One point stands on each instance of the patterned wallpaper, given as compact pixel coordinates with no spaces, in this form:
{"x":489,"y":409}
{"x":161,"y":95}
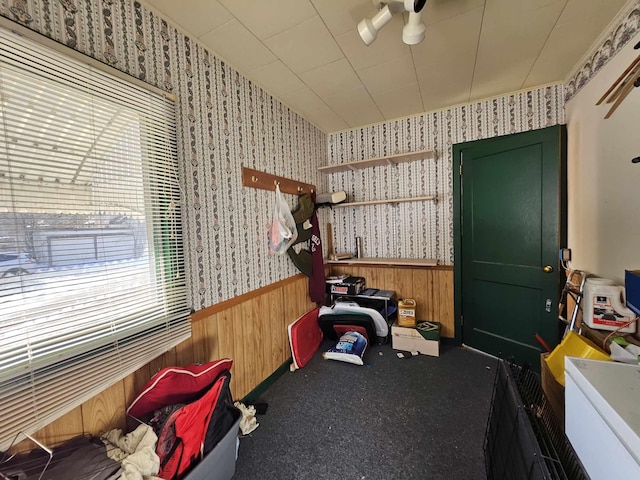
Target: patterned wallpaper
{"x":624,"y":30}
{"x":224,"y":122}
{"x":422,"y":229}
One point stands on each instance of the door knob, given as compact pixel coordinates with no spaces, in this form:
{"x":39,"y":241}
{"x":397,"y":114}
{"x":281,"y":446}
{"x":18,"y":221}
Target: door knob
{"x":547,"y":269}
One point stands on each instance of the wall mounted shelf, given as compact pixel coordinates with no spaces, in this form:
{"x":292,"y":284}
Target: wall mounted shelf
{"x":374,"y":162}
{"x":406,"y":262}
{"x":391,"y":200}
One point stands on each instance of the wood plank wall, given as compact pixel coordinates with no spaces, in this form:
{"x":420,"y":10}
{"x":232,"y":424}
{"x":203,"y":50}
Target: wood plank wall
{"x":430,"y":287}
{"x":250,"y":329}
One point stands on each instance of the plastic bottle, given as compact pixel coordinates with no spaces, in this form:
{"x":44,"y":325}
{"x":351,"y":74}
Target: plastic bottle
{"x":605,"y":306}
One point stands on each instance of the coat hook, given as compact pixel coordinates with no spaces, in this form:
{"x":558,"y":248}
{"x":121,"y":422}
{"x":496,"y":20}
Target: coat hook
{"x":275,"y":182}
{"x":300,"y":189}
{"x":254,"y":179}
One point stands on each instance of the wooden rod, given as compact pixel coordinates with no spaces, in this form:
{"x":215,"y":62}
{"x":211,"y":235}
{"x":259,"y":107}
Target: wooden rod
{"x":620,"y":81}
{"x":628,"y":86}
{"x":329,"y":240}
{"x":266,"y":181}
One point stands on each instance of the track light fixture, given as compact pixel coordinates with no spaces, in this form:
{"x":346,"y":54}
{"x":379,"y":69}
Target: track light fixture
{"x":413,"y":31}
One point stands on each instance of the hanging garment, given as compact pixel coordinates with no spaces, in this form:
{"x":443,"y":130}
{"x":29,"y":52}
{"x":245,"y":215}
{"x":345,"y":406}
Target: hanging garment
{"x":309,"y":261}
{"x":316,"y":279}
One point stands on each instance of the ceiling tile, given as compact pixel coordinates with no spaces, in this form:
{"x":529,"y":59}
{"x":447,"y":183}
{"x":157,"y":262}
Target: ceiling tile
{"x":341,"y":16}
{"x":445,"y":59}
{"x":201,"y":17}
{"x":276,"y":79}
{"x":438,"y":11}
{"x":571,"y":38}
{"x":558,"y":56}
{"x":436,"y":96}
{"x":398,"y":102}
{"x":306,"y":100}
{"x":356,"y":107}
{"x":451,"y":42}
{"x":327,"y":120}
{"x":305,"y":46}
{"x":331,"y":79}
{"x":388,"y":45}
{"x":339,"y":82}
{"x":597,"y":11}
{"x":266,"y":18}
{"x":398,"y":73}
{"x":512,"y":36}
{"x":236,"y":45}
{"x":311,"y":107}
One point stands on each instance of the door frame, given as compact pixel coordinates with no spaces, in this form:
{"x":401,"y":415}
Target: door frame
{"x":456,"y":150}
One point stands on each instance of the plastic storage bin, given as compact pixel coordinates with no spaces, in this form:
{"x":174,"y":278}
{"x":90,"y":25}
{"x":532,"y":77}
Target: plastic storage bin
{"x":220,"y":463}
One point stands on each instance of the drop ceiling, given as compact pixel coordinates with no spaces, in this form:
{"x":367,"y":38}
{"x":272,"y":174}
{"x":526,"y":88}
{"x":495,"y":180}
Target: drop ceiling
{"x":308,"y":54}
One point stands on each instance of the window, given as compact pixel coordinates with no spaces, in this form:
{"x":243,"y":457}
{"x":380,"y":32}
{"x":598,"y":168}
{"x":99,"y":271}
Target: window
{"x":91,"y":265}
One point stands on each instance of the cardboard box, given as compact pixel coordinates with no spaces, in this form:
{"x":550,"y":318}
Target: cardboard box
{"x":220,"y":463}
{"x":425,"y":338}
{"x":552,"y":389}
{"x":348,"y":286}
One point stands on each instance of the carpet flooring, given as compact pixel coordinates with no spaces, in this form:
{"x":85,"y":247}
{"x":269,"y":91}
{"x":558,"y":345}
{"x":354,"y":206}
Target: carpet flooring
{"x":414,"y":418}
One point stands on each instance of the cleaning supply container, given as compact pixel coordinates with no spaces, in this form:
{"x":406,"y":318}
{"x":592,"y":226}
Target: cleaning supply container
{"x":407,"y":312}
{"x":573,"y":345}
{"x":605,"y":306}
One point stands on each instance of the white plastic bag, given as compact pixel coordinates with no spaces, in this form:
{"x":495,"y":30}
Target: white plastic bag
{"x":282,"y":231}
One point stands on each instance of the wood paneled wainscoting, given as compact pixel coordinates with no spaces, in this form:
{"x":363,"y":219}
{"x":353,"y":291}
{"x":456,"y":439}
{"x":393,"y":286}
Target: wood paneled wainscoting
{"x":250,"y":329}
{"x":430,"y":287}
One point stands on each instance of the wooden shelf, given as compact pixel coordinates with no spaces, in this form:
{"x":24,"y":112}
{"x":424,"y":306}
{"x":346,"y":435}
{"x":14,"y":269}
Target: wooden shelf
{"x":374,"y":162}
{"x":408,"y":262}
{"x":391,"y":200}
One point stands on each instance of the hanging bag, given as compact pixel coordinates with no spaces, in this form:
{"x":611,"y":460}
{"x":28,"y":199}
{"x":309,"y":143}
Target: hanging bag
{"x":282,"y":231}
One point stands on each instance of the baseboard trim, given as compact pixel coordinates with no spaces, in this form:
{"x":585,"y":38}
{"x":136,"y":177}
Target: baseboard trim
{"x":479,"y":351}
{"x":262,"y":387}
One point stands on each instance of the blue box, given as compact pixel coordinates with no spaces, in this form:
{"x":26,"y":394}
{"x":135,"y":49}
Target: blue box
{"x":632,"y":288}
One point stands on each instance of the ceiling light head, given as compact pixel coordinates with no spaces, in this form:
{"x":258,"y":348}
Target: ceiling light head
{"x":366,"y":31}
{"x":414,"y":5}
{"x":368,"y":28}
{"x":413,"y":31}
{"x":418,"y":5}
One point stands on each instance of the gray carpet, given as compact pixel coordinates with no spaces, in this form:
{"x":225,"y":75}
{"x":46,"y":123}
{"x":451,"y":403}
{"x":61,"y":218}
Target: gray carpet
{"x":417,"y":418}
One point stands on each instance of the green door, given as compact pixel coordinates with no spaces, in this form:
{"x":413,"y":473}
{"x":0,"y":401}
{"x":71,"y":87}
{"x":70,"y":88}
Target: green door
{"x":509,"y":227}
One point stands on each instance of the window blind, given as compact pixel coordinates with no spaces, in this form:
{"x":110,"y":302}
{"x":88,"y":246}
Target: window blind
{"x":91,"y":263}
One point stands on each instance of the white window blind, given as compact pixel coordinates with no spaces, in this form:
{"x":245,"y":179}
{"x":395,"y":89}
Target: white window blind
{"x":91,"y":264}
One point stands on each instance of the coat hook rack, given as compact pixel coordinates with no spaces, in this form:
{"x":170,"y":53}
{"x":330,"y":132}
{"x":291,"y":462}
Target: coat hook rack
{"x":623,"y":85}
{"x":266,"y":181}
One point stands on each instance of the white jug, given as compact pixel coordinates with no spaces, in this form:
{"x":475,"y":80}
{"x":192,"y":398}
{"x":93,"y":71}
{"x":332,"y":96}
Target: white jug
{"x":605,"y":306}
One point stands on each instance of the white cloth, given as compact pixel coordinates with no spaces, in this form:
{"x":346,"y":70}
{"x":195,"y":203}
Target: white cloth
{"x":135,"y":451}
{"x":248,"y":423}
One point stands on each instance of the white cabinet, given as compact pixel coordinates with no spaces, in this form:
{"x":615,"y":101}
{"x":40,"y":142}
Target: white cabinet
{"x":602,"y":417}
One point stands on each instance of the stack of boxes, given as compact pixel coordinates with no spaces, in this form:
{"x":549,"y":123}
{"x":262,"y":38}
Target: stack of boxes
{"x":411,"y":335}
